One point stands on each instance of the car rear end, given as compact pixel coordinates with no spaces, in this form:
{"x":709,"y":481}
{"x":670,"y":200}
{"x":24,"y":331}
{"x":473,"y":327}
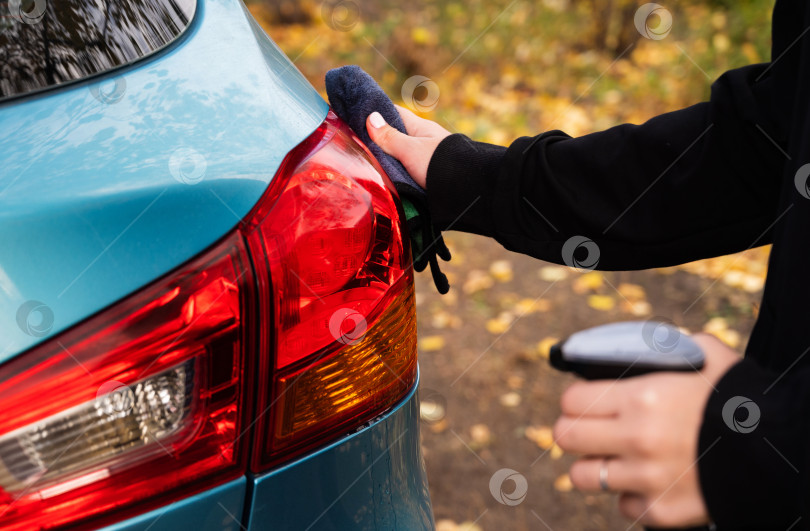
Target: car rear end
{"x":207,"y":301}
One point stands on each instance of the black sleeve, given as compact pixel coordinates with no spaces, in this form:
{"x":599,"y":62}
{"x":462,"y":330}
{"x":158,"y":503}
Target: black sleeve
{"x":690,"y":184}
{"x":752,"y":451}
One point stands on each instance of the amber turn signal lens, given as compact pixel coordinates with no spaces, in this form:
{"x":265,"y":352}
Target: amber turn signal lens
{"x":380,"y":367}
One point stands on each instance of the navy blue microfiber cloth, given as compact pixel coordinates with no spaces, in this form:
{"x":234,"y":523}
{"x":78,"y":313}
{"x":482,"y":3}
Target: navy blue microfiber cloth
{"x":353,"y":95}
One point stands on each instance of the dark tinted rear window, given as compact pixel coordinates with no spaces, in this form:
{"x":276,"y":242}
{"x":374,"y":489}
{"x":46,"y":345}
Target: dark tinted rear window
{"x":49,"y":42}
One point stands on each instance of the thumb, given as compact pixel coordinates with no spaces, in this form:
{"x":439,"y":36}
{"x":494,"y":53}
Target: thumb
{"x":392,"y":141}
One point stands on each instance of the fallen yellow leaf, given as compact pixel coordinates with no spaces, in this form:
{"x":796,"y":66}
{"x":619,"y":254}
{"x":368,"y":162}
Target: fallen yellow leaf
{"x":729,"y":337}
{"x":718,"y":326}
{"x":556,"y":452}
{"x":480,"y":434}
{"x":527,"y":306}
{"x":603,"y":303}
{"x":431,"y":343}
{"x":439,"y":427}
{"x":563,"y":483}
{"x":511,"y":399}
{"x":715,"y":324}
{"x":553,"y":273}
{"x":445,"y":524}
{"x":632,"y":292}
{"x":753,"y":283}
{"x":500,"y":324}
{"x":544,"y":346}
{"x":496,"y":326}
{"x":442,"y":319}
{"x":590,"y":281}
{"x":745,"y":281}
{"x":542,"y":436}
{"x":718,"y":20}
{"x":637,"y":308}
{"x":420,"y":35}
{"x":477,"y":280}
{"x":750,"y":52}
{"x":501,"y":270}
{"x":721,"y":42}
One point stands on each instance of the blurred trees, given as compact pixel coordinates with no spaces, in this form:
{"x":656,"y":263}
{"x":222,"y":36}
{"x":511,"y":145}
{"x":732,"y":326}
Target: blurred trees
{"x":507,"y":69}
{"x":612,"y":29}
{"x":287,"y":11}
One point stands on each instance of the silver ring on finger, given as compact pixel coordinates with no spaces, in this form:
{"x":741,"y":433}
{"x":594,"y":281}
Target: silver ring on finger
{"x":603,"y":476}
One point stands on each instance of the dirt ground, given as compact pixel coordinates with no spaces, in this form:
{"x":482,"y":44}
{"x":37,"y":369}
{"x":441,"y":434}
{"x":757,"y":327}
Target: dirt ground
{"x":489,"y":396}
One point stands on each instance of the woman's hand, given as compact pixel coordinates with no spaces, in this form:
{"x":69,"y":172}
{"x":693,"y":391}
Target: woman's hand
{"x":646,"y":428}
{"x":413,"y":150}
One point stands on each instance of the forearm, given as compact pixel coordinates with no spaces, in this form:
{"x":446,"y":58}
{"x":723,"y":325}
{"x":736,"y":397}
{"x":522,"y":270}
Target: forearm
{"x":693,"y":183}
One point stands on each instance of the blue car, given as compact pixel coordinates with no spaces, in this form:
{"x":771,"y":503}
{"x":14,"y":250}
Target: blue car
{"x":207,"y":312}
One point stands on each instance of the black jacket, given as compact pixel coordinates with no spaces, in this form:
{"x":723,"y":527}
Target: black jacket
{"x":716,"y":178}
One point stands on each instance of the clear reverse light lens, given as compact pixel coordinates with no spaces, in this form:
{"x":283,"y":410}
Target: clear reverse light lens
{"x":122,"y":418}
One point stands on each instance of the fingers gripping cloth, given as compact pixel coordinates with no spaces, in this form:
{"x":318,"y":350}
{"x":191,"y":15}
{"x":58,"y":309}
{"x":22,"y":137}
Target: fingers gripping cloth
{"x":353,"y":95}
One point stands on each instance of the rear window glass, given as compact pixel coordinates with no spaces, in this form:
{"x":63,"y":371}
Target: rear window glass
{"x":44,"y":43}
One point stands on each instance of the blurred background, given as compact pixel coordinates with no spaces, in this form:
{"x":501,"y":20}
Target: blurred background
{"x":496,"y":70}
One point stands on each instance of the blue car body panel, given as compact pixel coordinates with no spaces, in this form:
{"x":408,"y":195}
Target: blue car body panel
{"x":217,"y":509}
{"x":373,"y":479}
{"x":99,"y":199}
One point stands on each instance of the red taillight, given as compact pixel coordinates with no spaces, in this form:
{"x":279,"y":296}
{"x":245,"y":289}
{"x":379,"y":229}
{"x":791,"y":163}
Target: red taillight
{"x":307,"y":309}
{"x":336,"y":287}
{"x":143,"y":400}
